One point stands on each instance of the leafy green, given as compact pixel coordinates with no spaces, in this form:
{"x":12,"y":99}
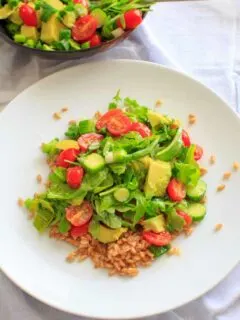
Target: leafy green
{"x":58,"y":175}
{"x":118,"y":168}
{"x":188,"y":174}
{"x":47,"y":11}
{"x":136,"y":111}
{"x":50,"y":147}
{"x":140,"y":207}
{"x":64,"y":225}
{"x":115,"y":101}
{"x":107,"y":183}
{"x":43,"y":219}
{"x":13,"y":3}
{"x":159,"y":251}
{"x":110,"y":219}
{"x":86,"y":126}
{"x":73,"y":131}
{"x":94,"y":227}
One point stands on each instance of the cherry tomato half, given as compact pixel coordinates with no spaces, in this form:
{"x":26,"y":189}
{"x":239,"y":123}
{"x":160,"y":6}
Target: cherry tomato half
{"x":85,"y":3}
{"x":141,"y":128}
{"x":132,"y":18}
{"x":79,"y":215}
{"x":103,"y":120}
{"x":77,"y":232}
{"x":95,"y":40}
{"x":186,"y":139}
{"x":176,"y":190}
{"x":74,"y":177}
{"x":87,"y":139}
{"x":186,"y":217}
{"x":69,"y":155}
{"x":84,"y":28}
{"x":198,"y":153}
{"x":119,"y":125}
{"x":158,"y":239}
{"x":28,"y":15}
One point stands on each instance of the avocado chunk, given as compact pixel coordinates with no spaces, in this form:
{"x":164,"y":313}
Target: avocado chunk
{"x":51,"y":29}
{"x":155,"y":224}
{"x":158,"y":177}
{"x":29,"y":32}
{"x":146,"y":161}
{"x":57,"y":4}
{"x":5,"y":12}
{"x":69,"y":19}
{"x":156,"y":119}
{"x":106,"y":235}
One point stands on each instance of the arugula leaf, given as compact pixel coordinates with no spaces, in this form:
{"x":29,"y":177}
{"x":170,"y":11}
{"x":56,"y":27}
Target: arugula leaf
{"x":159,"y":251}
{"x":140,"y":207}
{"x":135,"y":111}
{"x":118,"y":168}
{"x":50,"y":147}
{"x":43,"y":219}
{"x":73,"y":131}
{"x":188,"y":174}
{"x":94,"y":227}
{"x":58,"y":175}
{"x":64,"y":225}
{"x":47,"y":11}
{"x":110,"y":219}
{"x":115,"y":101}
{"x":107,"y":183}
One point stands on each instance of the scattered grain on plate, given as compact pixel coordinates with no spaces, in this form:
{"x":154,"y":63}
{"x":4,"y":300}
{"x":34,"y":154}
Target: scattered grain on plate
{"x":47,"y":184}
{"x":218,"y":227}
{"x":64,"y":109}
{"x":203,"y":200}
{"x":227,"y":175}
{"x":57,"y":116}
{"x":174,"y":252}
{"x":188,"y":231}
{"x":212,"y":159}
{"x":39,"y":178}
{"x":72,"y":122}
{"x":20,"y":202}
{"x":97,"y":115}
{"x":36,"y":195}
{"x":158,"y":103}
{"x":221,"y":187}
{"x":122,"y":257}
{"x":192,"y":119}
{"x":236,"y":165}
{"x":203,"y":171}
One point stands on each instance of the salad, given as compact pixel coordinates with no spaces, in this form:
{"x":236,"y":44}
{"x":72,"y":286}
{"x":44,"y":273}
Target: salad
{"x":128,"y":177}
{"x":70,"y":24}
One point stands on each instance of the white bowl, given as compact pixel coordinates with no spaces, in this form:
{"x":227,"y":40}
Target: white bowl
{"x":37,"y":264}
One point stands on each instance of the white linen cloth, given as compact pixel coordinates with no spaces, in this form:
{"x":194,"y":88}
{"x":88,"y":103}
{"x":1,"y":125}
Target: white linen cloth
{"x":203,"y":39}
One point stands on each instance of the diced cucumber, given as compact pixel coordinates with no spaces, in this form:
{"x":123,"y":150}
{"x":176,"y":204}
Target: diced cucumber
{"x":93,"y":162}
{"x":100,"y":16}
{"x":197,"y":211}
{"x":74,"y":45}
{"x":19,"y":38}
{"x":197,"y":193}
{"x":86,"y":126}
{"x":121,"y":194}
{"x":116,"y":156}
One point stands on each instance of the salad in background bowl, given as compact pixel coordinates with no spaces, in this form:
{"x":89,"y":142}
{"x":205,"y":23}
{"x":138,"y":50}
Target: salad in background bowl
{"x":70,"y":28}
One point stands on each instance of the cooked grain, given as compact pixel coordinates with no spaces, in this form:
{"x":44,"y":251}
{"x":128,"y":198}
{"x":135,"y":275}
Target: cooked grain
{"x":122,"y":257}
{"x":218,"y":227}
{"x":39,"y":178}
{"x":236,"y":165}
{"x":20,"y":202}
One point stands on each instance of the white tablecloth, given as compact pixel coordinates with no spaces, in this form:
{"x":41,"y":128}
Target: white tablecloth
{"x":203,"y":39}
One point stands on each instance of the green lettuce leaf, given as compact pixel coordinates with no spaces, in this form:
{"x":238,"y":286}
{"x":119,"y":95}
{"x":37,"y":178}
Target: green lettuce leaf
{"x":58,"y":175}
{"x":159,"y":251}
{"x":50,"y":147}
{"x":135,"y":111}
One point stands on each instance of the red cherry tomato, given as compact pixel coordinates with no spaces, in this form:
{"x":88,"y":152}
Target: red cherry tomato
{"x":186,"y":139}
{"x":85,"y":3}
{"x":186,"y":217}
{"x":28,"y":15}
{"x":87,"y":139}
{"x":141,"y":128}
{"x":158,"y":239}
{"x":74,"y":177}
{"x":79,"y":215}
{"x":95,"y":40}
{"x":77,"y":232}
{"x":104,"y":119}
{"x":69,"y":155}
{"x":132,"y":19}
{"x":84,"y":28}
{"x":176,"y":190}
{"x":198,"y":153}
{"x":119,"y":125}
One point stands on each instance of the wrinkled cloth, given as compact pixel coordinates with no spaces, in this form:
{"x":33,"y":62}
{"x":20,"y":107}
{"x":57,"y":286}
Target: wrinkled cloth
{"x":203,"y":39}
